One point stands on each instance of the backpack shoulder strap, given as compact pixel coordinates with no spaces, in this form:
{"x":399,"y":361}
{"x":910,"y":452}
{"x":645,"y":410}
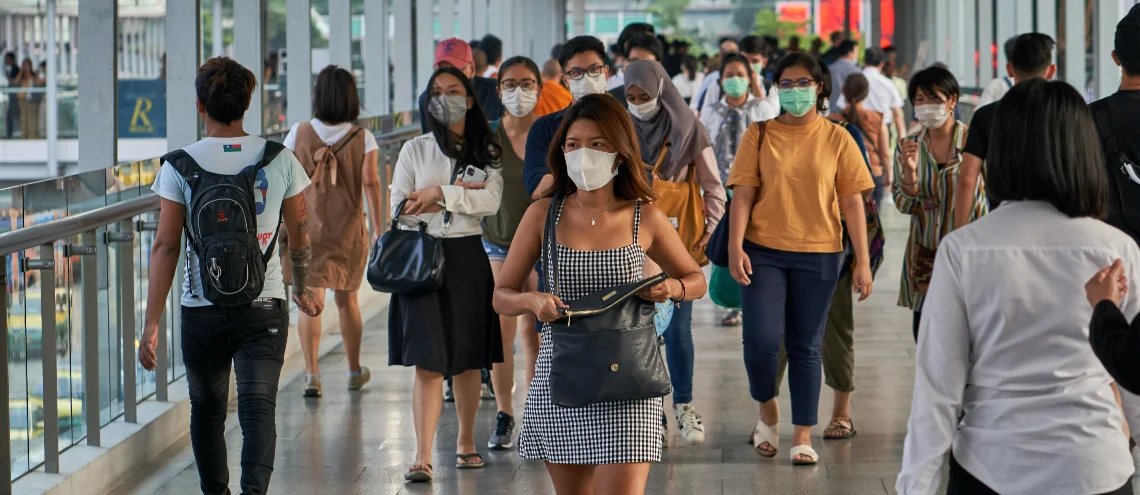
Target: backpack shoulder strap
{"x":272,"y":149}
{"x":763,"y":127}
{"x":344,"y":142}
{"x":183,"y":163}
{"x":1104,"y":127}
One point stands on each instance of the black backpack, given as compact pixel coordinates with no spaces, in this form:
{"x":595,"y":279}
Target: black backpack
{"x":1124,"y":198}
{"x":222,"y":230}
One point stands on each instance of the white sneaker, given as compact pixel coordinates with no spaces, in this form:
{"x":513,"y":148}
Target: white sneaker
{"x":312,"y":387}
{"x":690,"y":422}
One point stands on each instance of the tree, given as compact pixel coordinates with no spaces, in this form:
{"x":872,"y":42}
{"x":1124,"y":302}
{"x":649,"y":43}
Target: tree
{"x":668,"y":13}
{"x":744,"y":14}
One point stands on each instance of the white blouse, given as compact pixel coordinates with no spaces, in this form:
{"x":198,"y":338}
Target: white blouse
{"x":422,"y":164}
{"x":1004,"y":338}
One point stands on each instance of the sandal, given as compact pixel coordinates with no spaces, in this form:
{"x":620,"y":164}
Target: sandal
{"x":466,"y":461}
{"x":419,"y":473}
{"x":764,"y":433}
{"x":732,"y":319}
{"x":804,"y":450}
{"x":836,"y":430}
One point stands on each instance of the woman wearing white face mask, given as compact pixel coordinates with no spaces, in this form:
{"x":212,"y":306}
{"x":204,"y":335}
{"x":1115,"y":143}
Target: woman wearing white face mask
{"x":927,"y":174}
{"x":453,"y":331}
{"x":520,"y":89}
{"x":680,"y":155}
{"x":605,"y":229}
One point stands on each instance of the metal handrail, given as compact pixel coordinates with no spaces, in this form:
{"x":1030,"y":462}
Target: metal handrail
{"x":48,"y":232}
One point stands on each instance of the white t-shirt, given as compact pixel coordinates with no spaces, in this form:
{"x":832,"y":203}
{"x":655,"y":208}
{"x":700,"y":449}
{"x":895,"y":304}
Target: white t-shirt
{"x":882,"y":95}
{"x":331,"y":134}
{"x":283,"y":178}
{"x":491,"y":70}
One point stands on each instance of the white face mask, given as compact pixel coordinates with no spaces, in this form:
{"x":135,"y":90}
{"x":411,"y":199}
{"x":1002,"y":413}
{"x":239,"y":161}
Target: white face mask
{"x":519,"y":101}
{"x":590,"y":169}
{"x":931,"y":115}
{"x":587,"y":85}
{"x":644,"y":111}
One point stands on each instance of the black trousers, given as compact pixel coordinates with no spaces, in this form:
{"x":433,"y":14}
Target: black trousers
{"x":963,"y":483}
{"x":252,"y":339}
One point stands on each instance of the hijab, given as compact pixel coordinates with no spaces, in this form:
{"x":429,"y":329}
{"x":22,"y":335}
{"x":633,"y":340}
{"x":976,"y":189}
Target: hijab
{"x":674,"y":123}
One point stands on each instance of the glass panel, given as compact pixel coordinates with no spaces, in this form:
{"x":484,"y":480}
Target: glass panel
{"x":144,"y":380}
{"x":22,"y":425}
{"x":85,"y":192}
{"x":43,"y":202}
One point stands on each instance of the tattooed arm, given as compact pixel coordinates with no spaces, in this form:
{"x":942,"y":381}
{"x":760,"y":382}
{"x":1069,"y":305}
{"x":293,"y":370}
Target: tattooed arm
{"x":300,"y":252}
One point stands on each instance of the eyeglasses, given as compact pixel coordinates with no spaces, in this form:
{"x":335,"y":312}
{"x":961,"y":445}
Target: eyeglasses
{"x":525,"y":84}
{"x":786,"y":85}
{"x":593,"y":71}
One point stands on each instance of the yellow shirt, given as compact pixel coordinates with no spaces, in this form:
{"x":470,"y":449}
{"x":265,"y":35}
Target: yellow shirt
{"x":801,"y":172}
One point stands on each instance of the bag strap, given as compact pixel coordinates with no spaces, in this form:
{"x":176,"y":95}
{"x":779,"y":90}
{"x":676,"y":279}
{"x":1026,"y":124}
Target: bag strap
{"x":762,"y":133}
{"x":661,"y":157}
{"x":549,"y":239}
{"x":1104,"y":127}
{"x":344,"y":142}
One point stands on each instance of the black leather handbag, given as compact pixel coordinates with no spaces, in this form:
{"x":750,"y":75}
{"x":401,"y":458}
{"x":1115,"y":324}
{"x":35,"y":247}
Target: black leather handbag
{"x":605,"y":344}
{"x":406,"y":261}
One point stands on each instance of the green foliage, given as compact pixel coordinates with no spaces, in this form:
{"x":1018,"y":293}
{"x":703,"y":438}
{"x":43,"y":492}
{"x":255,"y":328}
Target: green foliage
{"x":667,"y":14}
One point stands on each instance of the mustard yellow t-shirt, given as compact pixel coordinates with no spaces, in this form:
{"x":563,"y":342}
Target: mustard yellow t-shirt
{"x":801,"y":172}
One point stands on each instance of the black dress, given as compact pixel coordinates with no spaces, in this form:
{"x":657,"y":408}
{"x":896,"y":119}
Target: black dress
{"x":454,"y":329}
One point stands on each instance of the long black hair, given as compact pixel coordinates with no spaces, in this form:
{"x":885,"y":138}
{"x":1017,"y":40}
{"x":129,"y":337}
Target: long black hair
{"x":477,"y":145}
{"x":1044,"y":146}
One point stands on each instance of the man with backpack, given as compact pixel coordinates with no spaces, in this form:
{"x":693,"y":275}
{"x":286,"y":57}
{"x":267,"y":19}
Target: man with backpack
{"x":229,"y":193}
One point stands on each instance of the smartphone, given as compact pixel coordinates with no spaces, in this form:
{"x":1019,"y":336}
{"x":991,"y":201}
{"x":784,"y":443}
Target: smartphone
{"x":474,"y":175}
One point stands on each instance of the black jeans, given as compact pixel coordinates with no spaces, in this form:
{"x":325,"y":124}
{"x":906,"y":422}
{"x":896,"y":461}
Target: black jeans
{"x":961,"y":482}
{"x":253,"y":339}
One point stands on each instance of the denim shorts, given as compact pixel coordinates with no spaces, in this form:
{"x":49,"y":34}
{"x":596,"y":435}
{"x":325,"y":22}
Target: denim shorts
{"x":495,"y":252}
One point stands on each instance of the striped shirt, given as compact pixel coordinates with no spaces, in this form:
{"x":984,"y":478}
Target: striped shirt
{"x":931,"y":213}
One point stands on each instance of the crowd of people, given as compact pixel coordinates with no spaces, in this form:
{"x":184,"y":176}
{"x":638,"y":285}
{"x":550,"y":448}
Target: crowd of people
{"x":623,"y":171}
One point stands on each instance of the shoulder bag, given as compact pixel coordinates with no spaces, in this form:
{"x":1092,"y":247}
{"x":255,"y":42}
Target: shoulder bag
{"x":407,"y":261}
{"x":717,"y":248}
{"x":605,"y":344}
{"x":683,"y":204}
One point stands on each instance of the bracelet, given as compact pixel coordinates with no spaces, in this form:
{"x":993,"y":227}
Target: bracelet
{"x":683,"y":292}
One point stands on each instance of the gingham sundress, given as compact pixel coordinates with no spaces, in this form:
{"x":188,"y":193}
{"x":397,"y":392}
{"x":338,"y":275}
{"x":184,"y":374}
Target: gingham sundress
{"x":606,"y":433}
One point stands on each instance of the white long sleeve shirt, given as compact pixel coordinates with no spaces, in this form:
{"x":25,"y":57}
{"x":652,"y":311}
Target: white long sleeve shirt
{"x":422,"y":164}
{"x":1004,"y":337}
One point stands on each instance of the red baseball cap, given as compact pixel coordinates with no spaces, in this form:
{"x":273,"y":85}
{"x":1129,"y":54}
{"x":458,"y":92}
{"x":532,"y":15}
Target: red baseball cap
{"x":455,"y":52}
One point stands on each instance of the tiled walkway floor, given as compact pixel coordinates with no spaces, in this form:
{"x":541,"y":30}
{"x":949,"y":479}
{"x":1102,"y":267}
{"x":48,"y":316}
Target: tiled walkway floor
{"x":361,"y":442}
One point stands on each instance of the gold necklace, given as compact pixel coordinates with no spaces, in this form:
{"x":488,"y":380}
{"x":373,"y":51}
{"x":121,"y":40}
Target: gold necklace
{"x":594,"y":219}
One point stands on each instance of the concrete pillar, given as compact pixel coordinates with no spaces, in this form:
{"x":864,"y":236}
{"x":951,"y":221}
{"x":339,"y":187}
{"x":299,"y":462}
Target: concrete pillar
{"x":941,"y":32}
{"x":340,"y":33}
{"x":298,"y":60}
{"x":1108,"y":14}
{"x":51,"y":98}
{"x":216,"y":25}
{"x":1024,"y":15}
{"x":579,"y":17}
{"x":466,"y":19}
{"x":1074,"y":44}
{"x":402,"y":57}
{"x":1006,"y":20}
{"x":447,"y":20}
{"x":498,"y":21}
{"x":181,"y":69}
{"x":376,"y":85}
{"x":249,"y":48}
{"x":480,"y":18}
{"x":98,"y":127}
{"x":968,"y":75}
{"x":1047,"y":17}
{"x":425,"y":46}
{"x":986,"y":44}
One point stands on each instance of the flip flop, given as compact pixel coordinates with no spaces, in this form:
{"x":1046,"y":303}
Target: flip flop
{"x":805,"y":450}
{"x":466,"y":461}
{"x":836,"y":425}
{"x":764,"y":433}
{"x":418,"y":474}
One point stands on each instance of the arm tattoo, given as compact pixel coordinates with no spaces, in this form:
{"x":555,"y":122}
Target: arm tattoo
{"x":301,"y":251}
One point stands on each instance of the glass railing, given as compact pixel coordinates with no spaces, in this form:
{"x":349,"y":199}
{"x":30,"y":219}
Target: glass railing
{"x":24,"y":112}
{"x":75,"y":254}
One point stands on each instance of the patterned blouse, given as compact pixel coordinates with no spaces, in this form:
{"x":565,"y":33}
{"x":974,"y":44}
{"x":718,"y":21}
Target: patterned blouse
{"x":931,"y":213}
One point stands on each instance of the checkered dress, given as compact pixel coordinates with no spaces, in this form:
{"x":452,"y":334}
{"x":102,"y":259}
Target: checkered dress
{"x":605,"y":433}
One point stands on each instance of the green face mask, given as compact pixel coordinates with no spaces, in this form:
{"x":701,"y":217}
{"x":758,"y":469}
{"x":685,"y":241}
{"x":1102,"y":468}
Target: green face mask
{"x":758,"y":68}
{"x":798,"y":101}
{"x":736,"y":86}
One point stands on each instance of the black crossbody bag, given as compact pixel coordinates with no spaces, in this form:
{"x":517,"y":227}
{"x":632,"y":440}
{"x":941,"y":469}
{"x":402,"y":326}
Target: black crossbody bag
{"x":605,"y":344}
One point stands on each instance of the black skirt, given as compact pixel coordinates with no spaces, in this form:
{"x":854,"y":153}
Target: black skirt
{"x":454,"y":329}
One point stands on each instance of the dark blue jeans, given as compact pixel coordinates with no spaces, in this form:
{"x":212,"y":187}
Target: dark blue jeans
{"x":788,"y":299}
{"x":679,"y":352}
{"x":253,"y":340}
